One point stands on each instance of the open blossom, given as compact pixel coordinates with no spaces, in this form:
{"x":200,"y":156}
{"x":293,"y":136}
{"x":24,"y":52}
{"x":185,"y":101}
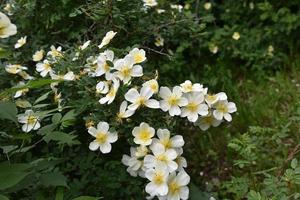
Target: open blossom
{"x":207,"y":121}
{"x":14,"y":69}
{"x":20,"y":42}
{"x":70,"y":76}
{"x":139,"y":55}
{"x":172,"y":100}
{"x":103,"y":137}
{"x":38,"y":55}
{"x":141,"y":99}
{"x":85,"y":45}
{"x":214,"y":98}
{"x":236,"y":36}
{"x":133,"y":162}
{"x":153,"y":84}
{"x":107,"y":38}
{"x":6,"y":27}
{"x":110,"y":96}
{"x":195,"y":106}
{"x":180,"y":160}
{"x":55,"y":52}
{"x":177,"y":7}
{"x":102,"y":64}
{"x":223,"y":109}
{"x":25,"y":76}
{"x":143,"y":134}
{"x":188,"y":86}
{"x":213,"y":48}
{"x":30,"y":121}
{"x":164,"y":138}
{"x":124,"y":112}
{"x":159,"y":41}
{"x":9,"y":8}
{"x":178,"y":186}
{"x":161,"y":157}
{"x":102,"y":87}
{"x":22,"y":91}
{"x":158,"y":185}
{"x":126,"y":69}
{"x":150,"y":3}
{"x":44,"y":68}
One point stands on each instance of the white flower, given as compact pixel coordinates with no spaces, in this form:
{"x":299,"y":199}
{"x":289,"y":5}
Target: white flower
{"x":181,"y":161}
{"x":91,"y":66}
{"x":150,"y":3}
{"x":20,"y":42}
{"x":30,"y":121}
{"x":213,"y":48}
{"x":159,"y":41}
{"x":109,"y":98}
{"x":159,"y":11}
{"x":6,"y":27}
{"x":141,"y":99}
{"x":178,"y":186}
{"x":103,"y":136}
{"x":161,"y":157}
{"x":153,"y":84}
{"x":38,"y":55}
{"x":133,"y":162}
{"x":177,"y":7}
{"x":44,"y":68}
{"x":124,"y":112}
{"x":22,"y":91}
{"x":194,"y":107}
{"x":188,"y":86}
{"x":212,"y":99}
{"x":127,"y":69}
{"x":207,"y":121}
{"x":158,"y":178}
{"x":102,"y":87}
{"x":14,"y":69}
{"x":236,"y":36}
{"x":107,"y":38}
{"x":167,"y":141}
{"x":25,"y":76}
{"x":9,"y":8}
{"x":207,"y":6}
{"x":85,"y":45}
{"x":139,"y":55}
{"x":223,"y":109}
{"x":55,"y":52}
{"x":143,"y":134}
{"x":172,"y":100}
{"x":102,"y":65}
{"x":70,"y":76}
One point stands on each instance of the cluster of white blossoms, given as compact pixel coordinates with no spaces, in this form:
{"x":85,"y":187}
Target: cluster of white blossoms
{"x":159,"y":160}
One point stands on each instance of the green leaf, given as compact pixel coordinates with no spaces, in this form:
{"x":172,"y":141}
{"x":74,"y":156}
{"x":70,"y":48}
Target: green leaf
{"x":8,"y":111}
{"x":56,"y":118}
{"x":12,"y":174}
{"x":69,"y":118}
{"x":23,"y":104}
{"x":196,"y":194}
{"x":87,"y":198}
{"x":294,"y":163}
{"x":61,"y":138}
{"x":53,"y":179}
{"x":9,"y":148}
{"x":59,"y":193}
{"x":42,"y":98}
{"x":2,"y":197}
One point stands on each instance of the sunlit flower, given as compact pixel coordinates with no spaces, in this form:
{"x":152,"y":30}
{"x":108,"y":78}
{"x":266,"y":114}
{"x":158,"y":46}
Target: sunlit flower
{"x":103,"y":136}
{"x":30,"y":121}
{"x":107,"y":38}
{"x":172,"y":100}
{"x":110,"y":96}
{"x":20,"y":42}
{"x":127,"y":69}
{"x":6,"y":27}
{"x":195,"y":107}
{"x":38,"y":55}
{"x":14,"y":69}
{"x":207,"y":121}
{"x":44,"y":68}
{"x":70,"y":76}
{"x":223,"y":109}
{"x":164,"y":138}
{"x":207,"y":6}
{"x":124,"y":112}
{"x":150,"y":3}
{"x":85,"y":45}
{"x":158,"y":178}
{"x":143,"y":134}
{"x":153,"y":84}
{"x":211,"y":99}
{"x":161,"y":157}
{"x":213,"y":48}
{"x":141,"y":99}
{"x":236,"y":36}
{"x":188,"y":86}
{"x":139,"y":55}
{"x":178,"y":186}
{"x":22,"y":91}
{"x":103,"y":66}
{"x":159,"y":41}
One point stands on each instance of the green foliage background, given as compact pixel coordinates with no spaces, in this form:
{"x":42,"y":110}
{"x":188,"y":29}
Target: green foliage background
{"x":254,"y":158}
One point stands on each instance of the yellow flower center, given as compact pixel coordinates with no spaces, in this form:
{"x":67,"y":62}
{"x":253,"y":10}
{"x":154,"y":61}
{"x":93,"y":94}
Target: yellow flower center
{"x":47,"y":66}
{"x":174,"y":188}
{"x":211,"y":98}
{"x":166,"y":143}
{"x":208,"y":120}
{"x":153,"y":86}
{"x":138,"y":58}
{"x":112,"y":92}
{"x":222,"y":108}
{"x":106,"y":67}
{"x":188,"y":87}
{"x":56,"y":53}
{"x":144,"y":135}
{"x":31,"y":120}
{"x":126,"y":71}
{"x":158,"y":179}
{"x":141,"y":100}
{"x":192,"y":107}
{"x":173,"y":100}
{"x":101,"y":137}
{"x":162,"y":158}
